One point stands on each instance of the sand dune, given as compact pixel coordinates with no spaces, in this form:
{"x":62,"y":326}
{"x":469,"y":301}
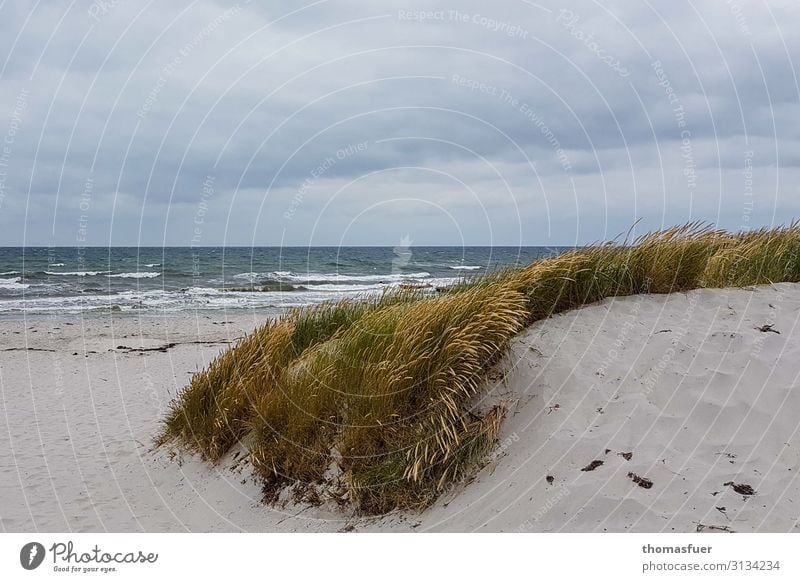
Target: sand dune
{"x":683,"y":390}
{"x":695,"y":395}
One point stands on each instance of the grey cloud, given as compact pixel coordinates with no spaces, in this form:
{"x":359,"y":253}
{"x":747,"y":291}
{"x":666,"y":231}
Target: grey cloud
{"x":562,"y":106}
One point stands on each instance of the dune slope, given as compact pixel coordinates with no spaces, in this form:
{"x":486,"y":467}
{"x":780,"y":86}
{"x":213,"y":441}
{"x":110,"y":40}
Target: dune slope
{"x":696,"y":393}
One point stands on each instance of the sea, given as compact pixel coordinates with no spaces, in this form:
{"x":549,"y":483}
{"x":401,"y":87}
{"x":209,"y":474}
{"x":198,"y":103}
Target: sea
{"x":172,"y":280}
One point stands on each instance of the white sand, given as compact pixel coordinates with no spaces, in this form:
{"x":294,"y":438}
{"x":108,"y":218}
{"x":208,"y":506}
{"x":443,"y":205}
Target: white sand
{"x":686,"y":383}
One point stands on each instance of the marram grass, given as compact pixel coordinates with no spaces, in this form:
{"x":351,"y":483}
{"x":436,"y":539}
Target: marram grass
{"x":371,"y":402}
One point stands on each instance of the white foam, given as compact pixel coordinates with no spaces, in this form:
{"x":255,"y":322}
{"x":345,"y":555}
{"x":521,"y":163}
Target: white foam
{"x":77,"y":273}
{"x":202,"y":291}
{"x":331,"y":288}
{"x":138,"y":275}
{"x":13,"y":283}
{"x":466,"y":267}
{"x":202,"y":298}
{"x":288,"y":276}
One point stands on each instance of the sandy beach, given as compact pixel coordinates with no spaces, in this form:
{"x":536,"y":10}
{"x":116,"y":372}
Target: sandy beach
{"x":654,"y":413}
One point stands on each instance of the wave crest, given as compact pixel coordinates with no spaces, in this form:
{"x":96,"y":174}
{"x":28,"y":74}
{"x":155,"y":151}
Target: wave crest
{"x":137,"y":275}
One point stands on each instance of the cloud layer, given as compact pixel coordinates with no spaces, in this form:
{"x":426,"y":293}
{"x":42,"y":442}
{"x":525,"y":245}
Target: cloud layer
{"x":338,"y":122}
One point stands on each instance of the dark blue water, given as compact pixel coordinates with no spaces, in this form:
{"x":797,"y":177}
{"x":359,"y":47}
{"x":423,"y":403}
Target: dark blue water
{"x":172,"y":279}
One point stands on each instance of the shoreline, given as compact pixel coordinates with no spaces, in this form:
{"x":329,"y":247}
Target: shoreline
{"x":186,"y":279}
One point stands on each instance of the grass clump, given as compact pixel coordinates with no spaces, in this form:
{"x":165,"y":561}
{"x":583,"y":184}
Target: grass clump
{"x":387,"y":400}
{"x":662,"y":262}
{"x":371,"y":402}
{"x":757,"y":257}
{"x":212,"y":413}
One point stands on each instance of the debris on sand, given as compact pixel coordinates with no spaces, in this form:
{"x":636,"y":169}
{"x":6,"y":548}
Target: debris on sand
{"x":721,"y":528}
{"x":768,"y":328}
{"x":592,"y":466}
{"x":642,"y":482}
{"x":740,"y":488}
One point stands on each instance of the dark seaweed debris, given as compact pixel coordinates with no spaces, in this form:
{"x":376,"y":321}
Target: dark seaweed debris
{"x":741,"y":488}
{"x":592,"y":466}
{"x":643,"y":482}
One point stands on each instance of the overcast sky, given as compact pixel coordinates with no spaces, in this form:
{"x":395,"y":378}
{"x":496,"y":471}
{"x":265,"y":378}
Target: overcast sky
{"x":359,"y":122}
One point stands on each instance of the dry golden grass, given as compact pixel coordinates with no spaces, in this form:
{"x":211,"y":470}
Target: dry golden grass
{"x":370,"y":402}
{"x":756,"y":258}
{"x":386,"y":399}
{"x":212,"y":413}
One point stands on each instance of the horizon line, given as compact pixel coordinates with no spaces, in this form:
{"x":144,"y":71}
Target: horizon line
{"x":276,"y":246}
